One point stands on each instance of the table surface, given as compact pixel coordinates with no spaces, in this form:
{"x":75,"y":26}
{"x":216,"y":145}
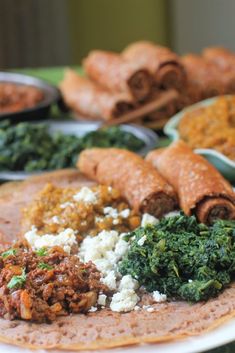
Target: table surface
{"x":54,"y":75}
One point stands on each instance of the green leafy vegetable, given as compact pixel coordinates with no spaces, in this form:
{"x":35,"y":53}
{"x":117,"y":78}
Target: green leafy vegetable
{"x":182,"y":258}
{"x":42,"y":251}
{"x":10,"y":252}
{"x":44,"y":266}
{"x":31,"y":147}
{"x":17,"y":281}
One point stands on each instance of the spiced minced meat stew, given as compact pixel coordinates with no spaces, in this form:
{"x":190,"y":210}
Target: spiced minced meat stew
{"x":39,"y":286}
{"x":16,"y":97}
{"x":87,"y":211}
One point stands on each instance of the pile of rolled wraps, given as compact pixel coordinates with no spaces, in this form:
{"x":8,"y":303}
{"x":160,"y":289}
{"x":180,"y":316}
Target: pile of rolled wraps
{"x":117,"y":83}
{"x":168,"y":179}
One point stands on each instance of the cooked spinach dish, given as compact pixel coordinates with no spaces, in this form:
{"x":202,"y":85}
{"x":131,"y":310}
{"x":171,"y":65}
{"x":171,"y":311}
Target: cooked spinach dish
{"x":30,"y":147}
{"x":182,"y":258}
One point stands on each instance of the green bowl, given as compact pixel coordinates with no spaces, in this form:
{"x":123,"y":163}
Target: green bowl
{"x":225,"y":165}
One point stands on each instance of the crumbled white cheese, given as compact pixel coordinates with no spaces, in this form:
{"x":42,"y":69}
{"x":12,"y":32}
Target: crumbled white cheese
{"x":127,"y":282}
{"x":94,"y":248}
{"x":105,"y":250}
{"x":121,"y":248}
{"x":122,"y":235}
{"x":137,"y":308}
{"x":125,"y":213}
{"x":141,"y":241}
{"x":158,"y":297}
{"x":145,"y":307}
{"x":148,"y":219}
{"x":190,"y":281}
{"x":66,"y":204}
{"x":111,"y":212}
{"x":103,"y":265}
{"x":102,"y":299}
{"x":99,"y":219}
{"x":110,"y":280}
{"x":85,"y":195}
{"x":125,"y":300}
{"x":65,"y":239}
{"x":55,"y":219}
{"x":92,"y":309}
{"x":172,"y":214}
{"x":150,"y":310}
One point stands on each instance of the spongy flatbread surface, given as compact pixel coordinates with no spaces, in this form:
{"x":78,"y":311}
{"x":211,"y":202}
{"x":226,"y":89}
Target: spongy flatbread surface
{"x":102,"y":329}
{"x":106,"y":329}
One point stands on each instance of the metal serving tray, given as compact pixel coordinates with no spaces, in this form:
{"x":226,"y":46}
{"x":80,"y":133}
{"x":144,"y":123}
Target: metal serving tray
{"x":149,"y":137}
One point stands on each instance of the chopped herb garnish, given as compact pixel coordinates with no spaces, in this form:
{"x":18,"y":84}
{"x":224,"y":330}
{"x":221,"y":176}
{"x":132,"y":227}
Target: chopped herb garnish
{"x":17,"y":281}
{"x":44,"y":266}
{"x":10,"y":252}
{"x":42,"y":252}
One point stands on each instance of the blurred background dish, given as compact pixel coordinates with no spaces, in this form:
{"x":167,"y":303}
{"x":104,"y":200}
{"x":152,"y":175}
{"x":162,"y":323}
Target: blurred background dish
{"x":198,"y":121}
{"x":24,"y":97}
{"x":31,"y":148}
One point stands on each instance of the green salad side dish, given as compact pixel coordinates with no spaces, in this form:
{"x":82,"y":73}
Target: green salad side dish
{"x":182,"y":258}
{"x":30,"y":147}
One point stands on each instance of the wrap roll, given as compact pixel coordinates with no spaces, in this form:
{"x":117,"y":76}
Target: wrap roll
{"x":201,"y":189}
{"x":160,"y":61}
{"x":89,"y":100}
{"x":166,"y":111}
{"x":224,"y":59}
{"x":139,"y":182}
{"x":114,"y":73}
{"x":203,"y":75}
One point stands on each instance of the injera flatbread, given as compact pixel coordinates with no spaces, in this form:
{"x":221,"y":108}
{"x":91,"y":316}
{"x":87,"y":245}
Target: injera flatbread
{"x":102,"y":329}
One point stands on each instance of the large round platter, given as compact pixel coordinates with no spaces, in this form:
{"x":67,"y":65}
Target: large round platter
{"x":218,"y":337}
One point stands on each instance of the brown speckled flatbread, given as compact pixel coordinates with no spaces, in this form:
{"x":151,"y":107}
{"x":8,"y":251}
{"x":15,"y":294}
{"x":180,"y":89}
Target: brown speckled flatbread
{"x":102,"y":329}
{"x":106,"y":329}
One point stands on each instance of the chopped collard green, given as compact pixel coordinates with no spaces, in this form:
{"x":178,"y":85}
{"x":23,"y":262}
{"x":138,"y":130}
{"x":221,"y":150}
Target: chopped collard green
{"x":182,"y":258}
{"x":30,"y":147}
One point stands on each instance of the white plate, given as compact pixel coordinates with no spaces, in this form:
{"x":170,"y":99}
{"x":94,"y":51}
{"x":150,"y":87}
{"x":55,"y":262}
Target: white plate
{"x":218,"y":337}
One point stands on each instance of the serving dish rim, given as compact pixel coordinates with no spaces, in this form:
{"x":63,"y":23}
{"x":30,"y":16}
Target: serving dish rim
{"x":171,"y":130}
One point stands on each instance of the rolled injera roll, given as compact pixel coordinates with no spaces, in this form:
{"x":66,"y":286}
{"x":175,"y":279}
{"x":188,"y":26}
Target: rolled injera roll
{"x":164,"y":112}
{"x":224,"y":59}
{"x":89,"y":100}
{"x":203,"y":75}
{"x":116,"y":74}
{"x":165,"y":65}
{"x":139,"y":182}
{"x":201,"y":189}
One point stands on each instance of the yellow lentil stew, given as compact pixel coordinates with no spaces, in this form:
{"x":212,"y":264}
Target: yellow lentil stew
{"x":85,"y":210}
{"x":211,"y":127}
